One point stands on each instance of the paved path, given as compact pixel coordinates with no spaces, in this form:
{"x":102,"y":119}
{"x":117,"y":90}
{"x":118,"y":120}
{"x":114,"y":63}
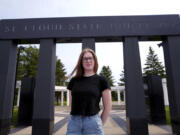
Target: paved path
{"x":115,"y":125}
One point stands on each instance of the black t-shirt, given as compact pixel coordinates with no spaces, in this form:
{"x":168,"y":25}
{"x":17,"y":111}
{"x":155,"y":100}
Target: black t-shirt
{"x":86,"y":93}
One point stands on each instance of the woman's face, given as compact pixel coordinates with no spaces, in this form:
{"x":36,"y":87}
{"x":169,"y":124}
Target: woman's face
{"x":88,"y":62}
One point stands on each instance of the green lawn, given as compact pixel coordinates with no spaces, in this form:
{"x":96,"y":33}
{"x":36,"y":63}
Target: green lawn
{"x":14,"y":117}
{"x":168,"y":119}
{"x":59,"y":104}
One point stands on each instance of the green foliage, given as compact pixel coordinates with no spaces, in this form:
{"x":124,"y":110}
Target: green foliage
{"x":14,"y":117}
{"x":122,"y":83}
{"x":153,"y":65}
{"x":57,"y":100}
{"x":60,"y":72}
{"x":15,"y":96}
{"x":28,"y":63}
{"x":122,"y":79}
{"x":106,"y":72}
{"x":122,"y":95}
{"x":59,"y":103}
{"x":168,"y":118}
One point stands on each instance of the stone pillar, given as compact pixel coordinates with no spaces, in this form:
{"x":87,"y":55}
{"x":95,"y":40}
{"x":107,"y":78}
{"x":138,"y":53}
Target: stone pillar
{"x":156,"y":99}
{"x":8,"y":51}
{"x":124,"y":93}
{"x":43,"y":116}
{"x":26,"y":101}
{"x":137,"y":123}
{"x":67,"y":99}
{"x":171,"y":48}
{"x":119,"y":99}
{"x":18,"y":98}
{"x":164,"y":84}
{"x":88,"y":43}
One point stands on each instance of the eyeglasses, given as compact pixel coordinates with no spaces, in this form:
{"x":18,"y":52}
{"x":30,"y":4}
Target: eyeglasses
{"x":85,"y":59}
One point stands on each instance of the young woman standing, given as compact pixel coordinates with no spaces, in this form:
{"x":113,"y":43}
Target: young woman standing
{"x":86,"y":90}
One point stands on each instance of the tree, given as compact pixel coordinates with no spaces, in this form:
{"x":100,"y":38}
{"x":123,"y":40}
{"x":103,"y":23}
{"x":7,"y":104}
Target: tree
{"x":122,"y":79}
{"x":153,"y":65}
{"x":106,"y":72}
{"x":121,"y":83}
{"x":27,"y":64}
{"x":60,"y":72}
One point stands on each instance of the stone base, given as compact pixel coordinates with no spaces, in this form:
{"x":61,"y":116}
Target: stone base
{"x":42,"y":127}
{"x":5,"y":126}
{"x":176,"y":125}
{"x":137,"y":126}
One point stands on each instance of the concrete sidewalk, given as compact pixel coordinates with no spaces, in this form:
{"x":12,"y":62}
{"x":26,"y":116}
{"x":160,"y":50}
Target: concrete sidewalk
{"x":115,"y":125}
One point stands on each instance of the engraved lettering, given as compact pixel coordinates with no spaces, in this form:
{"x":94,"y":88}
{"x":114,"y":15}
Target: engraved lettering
{"x":147,"y":25}
{"x":173,"y":25}
{"x":52,"y":27}
{"x":163,"y":25}
{"x":56,"y":27}
{"x":91,"y":26}
{"x":111,"y":26}
{"x":78,"y":27}
{"x":128,"y":26}
{"x":25,"y":28}
{"x":71,"y":27}
{"x":7,"y":29}
{"x":139,"y":26}
{"x":119,"y":26}
{"x":135,"y":26}
{"x":85,"y":26}
{"x":60,"y":27}
{"x":33,"y":27}
{"x":46,"y":27}
{"x":39,"y":27}
{"x":13,"y":29}
{"x":97,"y":26}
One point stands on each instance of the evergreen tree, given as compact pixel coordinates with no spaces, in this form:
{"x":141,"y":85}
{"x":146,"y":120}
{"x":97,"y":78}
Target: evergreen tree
{"x":121,"y":83}
{"x":60,"y":72}
{"x":28,"y":63}
{"x":106,"y":72}
{"x":153,"y":65}
{"x":122,"y":79}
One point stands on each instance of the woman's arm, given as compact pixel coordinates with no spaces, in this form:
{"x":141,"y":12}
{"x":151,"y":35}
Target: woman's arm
{"x":107,"y":104}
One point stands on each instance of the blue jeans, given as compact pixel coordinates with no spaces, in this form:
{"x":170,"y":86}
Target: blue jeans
{"x":85,"y":125}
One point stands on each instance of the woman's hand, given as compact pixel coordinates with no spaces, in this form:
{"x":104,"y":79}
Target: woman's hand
{"x":107,"y":104}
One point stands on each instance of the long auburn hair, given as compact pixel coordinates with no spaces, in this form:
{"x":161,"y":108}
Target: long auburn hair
{"x":79,"y":67}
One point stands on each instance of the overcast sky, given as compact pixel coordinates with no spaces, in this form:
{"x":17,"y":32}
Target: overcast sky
{"x":109,"y":54}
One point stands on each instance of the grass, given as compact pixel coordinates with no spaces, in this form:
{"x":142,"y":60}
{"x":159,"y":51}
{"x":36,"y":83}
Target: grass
{"x":168,"y":119}
{"x":59,"y":104}
{"x":14,"y":117}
